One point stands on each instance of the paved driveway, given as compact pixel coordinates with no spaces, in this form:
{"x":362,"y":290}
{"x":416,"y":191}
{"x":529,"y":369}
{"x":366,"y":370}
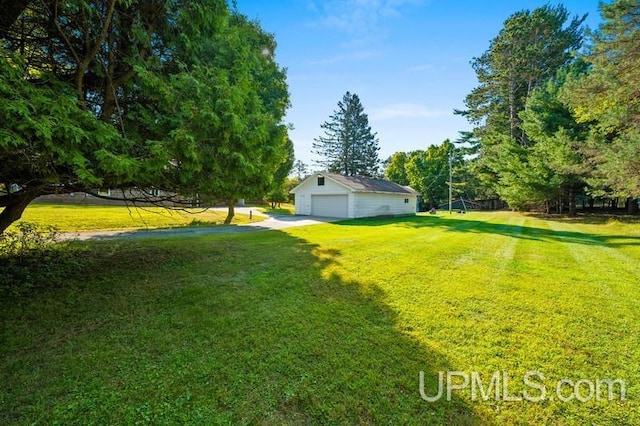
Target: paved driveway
{"x":271,"y":222}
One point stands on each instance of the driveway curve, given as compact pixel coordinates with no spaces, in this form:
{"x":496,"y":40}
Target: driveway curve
{"x":272,"y":222}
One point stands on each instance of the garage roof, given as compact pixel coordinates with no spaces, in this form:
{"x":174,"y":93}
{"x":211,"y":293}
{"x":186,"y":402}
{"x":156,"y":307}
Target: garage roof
{"x":362,"y":184}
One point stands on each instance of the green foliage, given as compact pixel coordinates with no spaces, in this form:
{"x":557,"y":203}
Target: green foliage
{"x":277,"y":196}
{"x":31,"y":257}
{"x":521,"y":123}
{"x":555,"y":161}
{"x":348,"y":146}
{"x":428,"y":172}
{"x":574,"y":119}
{"x":280,"y":187}
{"x":219,"y":116}
{"x":606,"y":99}
{"x":396,"y":168}
{"x":524,"y":182}
{"x":46,"y":137}
{"x":527,"y":52}
{"x":280,"y":194}
{"x":180,"y":96}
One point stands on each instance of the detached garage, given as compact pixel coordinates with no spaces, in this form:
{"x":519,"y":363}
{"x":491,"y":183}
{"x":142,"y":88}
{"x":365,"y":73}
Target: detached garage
{"x":332,"y":195}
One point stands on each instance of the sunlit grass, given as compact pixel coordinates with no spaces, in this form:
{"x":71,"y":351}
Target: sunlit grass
{"x":283,"y":208}
{"x":331,"y":324}
{"x":70,"y":218}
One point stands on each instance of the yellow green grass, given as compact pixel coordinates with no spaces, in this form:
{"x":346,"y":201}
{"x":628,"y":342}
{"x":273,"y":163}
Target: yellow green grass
{"x":71,"y":218}
{"x":332,"y":324}
{"x":281,"y":209}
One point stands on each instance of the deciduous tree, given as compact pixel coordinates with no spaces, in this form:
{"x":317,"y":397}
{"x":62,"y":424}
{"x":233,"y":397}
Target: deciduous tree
{"x":396,"y":170}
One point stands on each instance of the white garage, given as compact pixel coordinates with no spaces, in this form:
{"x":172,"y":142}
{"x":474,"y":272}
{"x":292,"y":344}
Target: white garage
{"x":333,"y":195}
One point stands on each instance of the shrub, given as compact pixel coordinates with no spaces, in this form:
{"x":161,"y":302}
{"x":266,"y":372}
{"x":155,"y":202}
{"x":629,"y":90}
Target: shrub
{"x":32,"y":256}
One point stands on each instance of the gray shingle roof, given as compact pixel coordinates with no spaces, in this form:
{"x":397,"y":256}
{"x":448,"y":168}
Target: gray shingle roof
{"x":362,"y":184}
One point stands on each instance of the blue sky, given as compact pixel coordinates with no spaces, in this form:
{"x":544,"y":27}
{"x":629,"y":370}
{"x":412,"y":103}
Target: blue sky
{"x":407,"y":60}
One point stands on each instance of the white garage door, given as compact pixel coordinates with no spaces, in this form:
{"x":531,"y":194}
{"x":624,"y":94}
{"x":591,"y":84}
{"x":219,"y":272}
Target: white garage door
{"x":329,"y":205}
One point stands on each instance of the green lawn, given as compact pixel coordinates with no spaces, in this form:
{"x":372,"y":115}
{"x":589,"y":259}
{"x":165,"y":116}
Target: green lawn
{"x":332,"y":324}
{"x":282,"y":209}
{"x":71,"y":218}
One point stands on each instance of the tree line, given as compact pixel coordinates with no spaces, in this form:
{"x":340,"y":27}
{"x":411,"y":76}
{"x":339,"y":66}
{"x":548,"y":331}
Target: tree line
{"x":556,"y":116}
{"x":186,"y":97}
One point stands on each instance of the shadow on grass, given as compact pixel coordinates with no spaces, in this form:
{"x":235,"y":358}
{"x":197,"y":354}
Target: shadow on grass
{"x":237,"y":329}
{"x":480,"y":226}
{"x":589,"y":218}
{"x":162,"y":233}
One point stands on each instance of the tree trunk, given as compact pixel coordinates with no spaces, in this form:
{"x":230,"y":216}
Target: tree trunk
{"x":231,"y":212}
{"x":512,"y":106}
{"x":572,"y":201}
{"x":13,"y":210}
{"x":632,"y":205}
{"x":559,"y":209}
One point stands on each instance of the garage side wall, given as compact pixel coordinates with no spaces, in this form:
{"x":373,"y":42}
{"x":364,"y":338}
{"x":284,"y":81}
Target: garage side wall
{"x":372,"y":204}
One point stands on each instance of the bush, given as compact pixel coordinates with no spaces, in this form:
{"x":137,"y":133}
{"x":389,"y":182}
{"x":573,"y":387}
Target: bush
{"x":33,"y":256}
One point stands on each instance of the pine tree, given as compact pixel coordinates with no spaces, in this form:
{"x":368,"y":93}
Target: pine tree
{"x":606,"y":100}
{"x":522,"y":58}
{"x":348,"y":146}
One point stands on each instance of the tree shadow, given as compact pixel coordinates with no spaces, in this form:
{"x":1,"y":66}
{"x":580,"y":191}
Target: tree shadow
{"x":479,"y":226}
{"x":589,"y":218}
{"x":234,"y":329}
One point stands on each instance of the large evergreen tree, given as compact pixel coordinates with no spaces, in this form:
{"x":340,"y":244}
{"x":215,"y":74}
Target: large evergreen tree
{"x":559,"y":144}
{"x":220,"y":112}
{"x":527,"y":52}
{"x":606,"y":99}
{"x":175,"y":95}
{"x":348,"y":146}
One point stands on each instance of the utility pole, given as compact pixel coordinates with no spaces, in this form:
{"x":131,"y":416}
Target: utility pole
{"x":450,"y":179}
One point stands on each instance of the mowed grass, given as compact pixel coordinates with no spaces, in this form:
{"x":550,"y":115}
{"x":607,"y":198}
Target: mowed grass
{"x":281,"y":209}
{"x":332,"y":324}
{"x":72,"y":218}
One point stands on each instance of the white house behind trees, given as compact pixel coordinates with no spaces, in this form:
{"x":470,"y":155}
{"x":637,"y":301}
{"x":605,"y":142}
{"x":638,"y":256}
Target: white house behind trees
{"x":333,"y":195}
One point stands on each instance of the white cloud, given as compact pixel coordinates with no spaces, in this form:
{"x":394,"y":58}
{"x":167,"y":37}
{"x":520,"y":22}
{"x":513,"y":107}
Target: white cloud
{"x":393,"y":111}
{"x":361,"y":19}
